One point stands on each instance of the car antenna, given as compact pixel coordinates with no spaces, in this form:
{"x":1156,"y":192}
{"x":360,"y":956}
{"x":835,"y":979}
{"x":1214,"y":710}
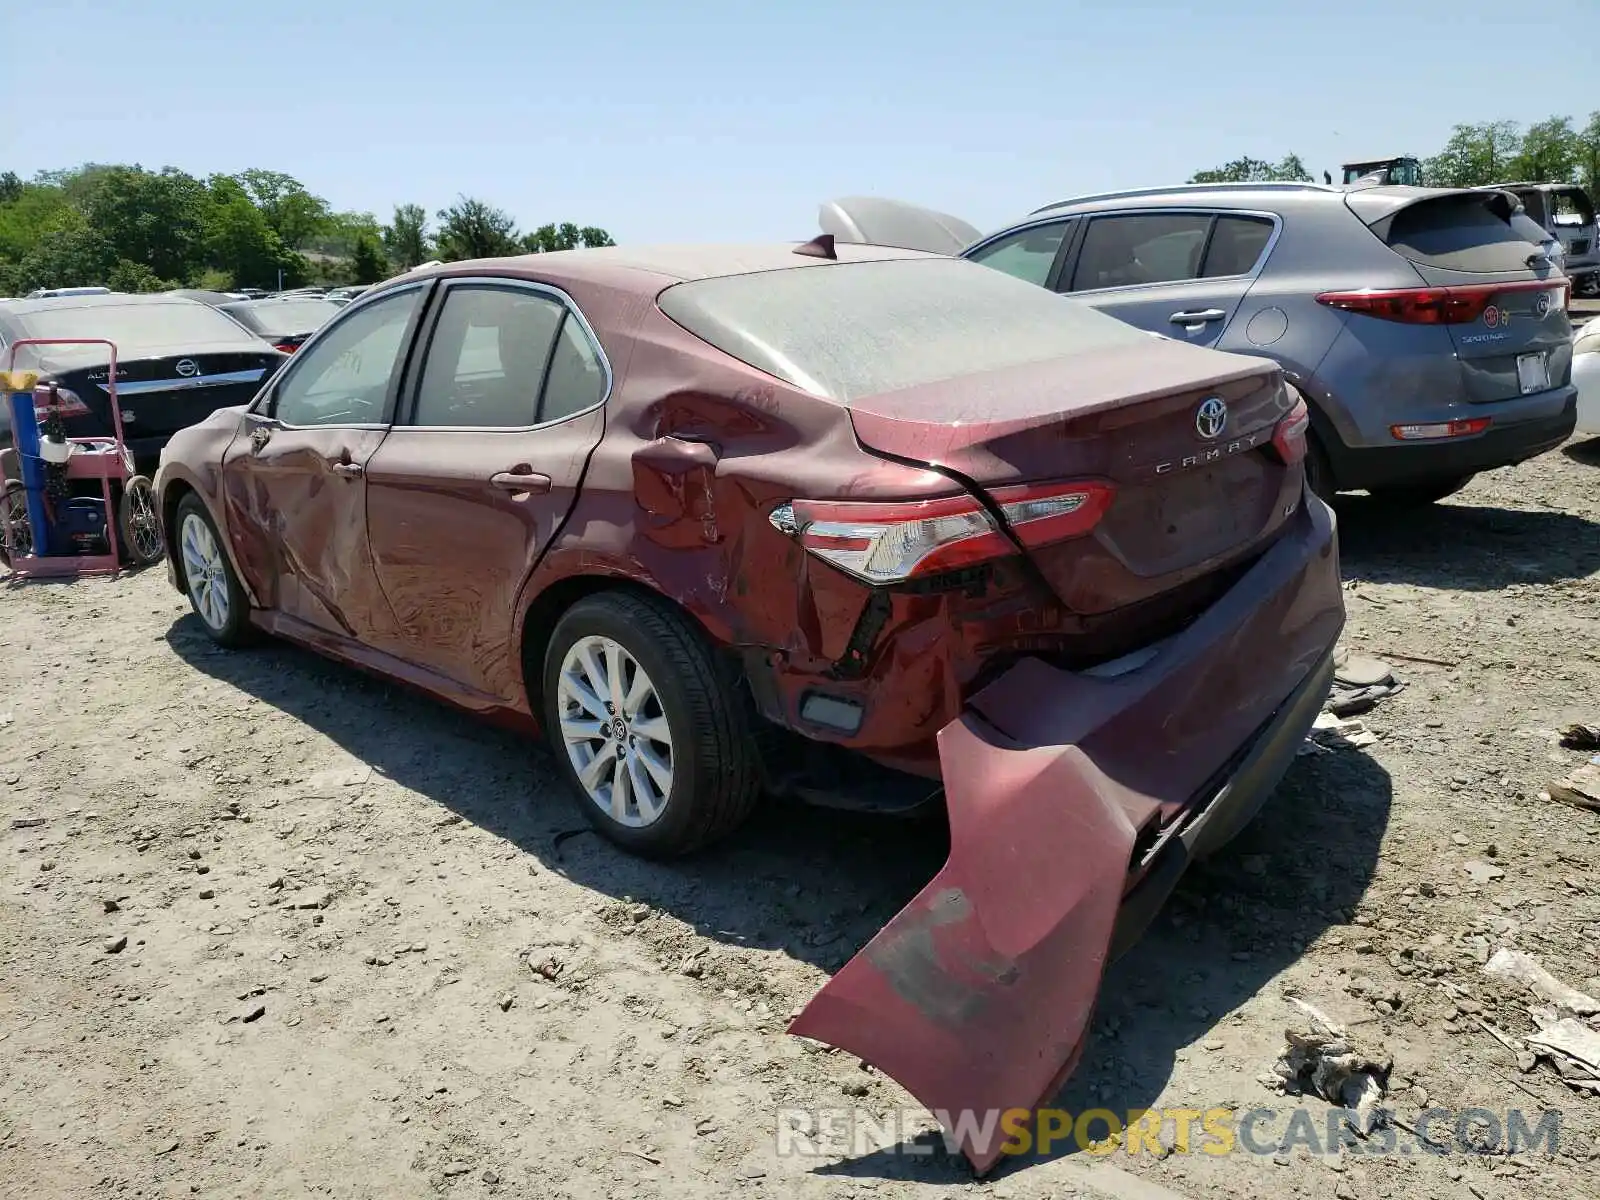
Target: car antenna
{"x":820,"y":246}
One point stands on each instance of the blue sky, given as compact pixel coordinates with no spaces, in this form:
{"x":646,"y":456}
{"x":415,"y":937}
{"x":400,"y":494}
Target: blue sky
{"x":716,"y":120}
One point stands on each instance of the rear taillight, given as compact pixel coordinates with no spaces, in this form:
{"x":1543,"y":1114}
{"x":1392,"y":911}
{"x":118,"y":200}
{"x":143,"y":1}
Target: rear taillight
{"x":1439,"y":429}
{"x":902,"y":540}
{"x":67,"y":404}
{"x":1456,"y":305}
{"x":1040,"y":513}
{"x":287,"y":347}
{"x":1289,"y":438}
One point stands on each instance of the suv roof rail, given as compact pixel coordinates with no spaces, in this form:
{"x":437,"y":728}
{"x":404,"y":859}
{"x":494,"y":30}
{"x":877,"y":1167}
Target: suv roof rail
{"x":1182,"y":188}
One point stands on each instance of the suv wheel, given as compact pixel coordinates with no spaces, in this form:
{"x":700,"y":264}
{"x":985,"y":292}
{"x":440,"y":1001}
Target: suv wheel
{"x":652,"y":737}
{"x":1319,"y":474}
{"x":1417,"y":494}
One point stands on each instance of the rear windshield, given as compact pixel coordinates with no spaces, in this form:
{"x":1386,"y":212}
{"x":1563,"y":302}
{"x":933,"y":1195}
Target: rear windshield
{"x":1463,"y":233}
{"x":278,"y":318}
{"x":850,"y":330}
{"x":132,"y":325}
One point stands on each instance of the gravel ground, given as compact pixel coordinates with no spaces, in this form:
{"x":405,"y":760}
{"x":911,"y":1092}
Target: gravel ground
{"x":271,"y":929}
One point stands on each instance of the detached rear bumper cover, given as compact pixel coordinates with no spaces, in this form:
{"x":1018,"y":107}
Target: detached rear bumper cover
{"x":977,"y":996}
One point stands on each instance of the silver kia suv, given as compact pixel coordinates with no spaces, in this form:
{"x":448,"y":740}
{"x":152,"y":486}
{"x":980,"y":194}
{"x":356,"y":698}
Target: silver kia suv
{"x":1425,"y":326}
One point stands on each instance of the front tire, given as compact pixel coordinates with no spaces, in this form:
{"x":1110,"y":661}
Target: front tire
{"x":648,"y":730}
{"x":214,"y":591}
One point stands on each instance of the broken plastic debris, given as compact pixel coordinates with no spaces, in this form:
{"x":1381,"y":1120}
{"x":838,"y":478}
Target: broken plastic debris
{"x":1581,"y":789}
{"x":1335,"y":733}
{"x":1581,"y":737}
{"x":1571,"y":1037}
{"x":1326,"y":1061}
{"x":1359,"y":683}
{"x":1516,"y":967}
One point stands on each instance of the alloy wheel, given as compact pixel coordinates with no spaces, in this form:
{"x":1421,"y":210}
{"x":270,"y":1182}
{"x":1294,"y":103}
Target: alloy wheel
{"x":615,"y":731}
{"x":205,"y":570}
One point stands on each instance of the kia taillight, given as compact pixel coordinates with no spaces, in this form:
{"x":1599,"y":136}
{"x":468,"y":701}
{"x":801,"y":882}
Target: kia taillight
{"x":900,"y":540}
{"x":1455,"y":305}
{"x":1289,"y":438}
{"x":66,"y":403}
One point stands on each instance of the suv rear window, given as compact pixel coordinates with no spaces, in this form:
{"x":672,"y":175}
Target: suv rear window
{"x":849,"y":330}
{"x":1462,"y":233}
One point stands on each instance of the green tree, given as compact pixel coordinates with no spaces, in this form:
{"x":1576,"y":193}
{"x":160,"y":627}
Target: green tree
{"x":295,"y":215}
{"x":136,"y":277}
{"x":471,"y":228}
{"x":10,"y":187}
{"x":1475,"y":155}
{"x":36,"y":210}
{"x":1549,"y":152}
{"x":406,"y":237}
{"x":154,"y":219}
{"x":1288,"y":169}
{"x":239,"y":238}
{"x":1586,"y":154}
{"x":341,"y":232}
{"x":565,"y":236}
{"x":80,"y":257}
{"x":367,"y":262}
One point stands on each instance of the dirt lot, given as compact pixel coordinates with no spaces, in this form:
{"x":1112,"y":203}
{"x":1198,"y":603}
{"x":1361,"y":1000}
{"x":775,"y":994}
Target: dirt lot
{"x":364,"y":958}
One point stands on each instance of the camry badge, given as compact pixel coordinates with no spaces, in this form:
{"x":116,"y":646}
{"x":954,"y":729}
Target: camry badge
{"x":1211,"y":417}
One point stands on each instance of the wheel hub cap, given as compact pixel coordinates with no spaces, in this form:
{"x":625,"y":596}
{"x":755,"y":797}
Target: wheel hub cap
{"x":615,"y":731}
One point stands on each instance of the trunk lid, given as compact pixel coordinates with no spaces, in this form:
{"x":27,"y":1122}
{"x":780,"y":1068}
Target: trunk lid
{"x":1183,"y":435}
{"x":1512,"y":333}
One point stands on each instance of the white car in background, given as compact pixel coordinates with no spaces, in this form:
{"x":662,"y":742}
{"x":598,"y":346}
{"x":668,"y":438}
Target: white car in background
{"x":1586,"y":376}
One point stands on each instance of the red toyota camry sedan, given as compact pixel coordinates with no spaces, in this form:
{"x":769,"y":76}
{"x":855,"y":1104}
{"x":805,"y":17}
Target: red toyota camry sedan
{"x":864,"y":525}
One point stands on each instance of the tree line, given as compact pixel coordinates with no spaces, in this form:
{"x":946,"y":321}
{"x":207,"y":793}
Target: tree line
{"x":138,"y":230}
{"x":1555,"y":150}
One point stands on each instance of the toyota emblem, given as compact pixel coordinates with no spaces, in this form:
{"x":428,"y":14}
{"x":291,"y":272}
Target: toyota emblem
{"x":187,"y":367}
{"x":1211,"y":417}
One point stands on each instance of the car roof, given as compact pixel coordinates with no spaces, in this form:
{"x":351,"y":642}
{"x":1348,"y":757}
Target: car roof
{"x":654,"y":267}
{"x":100,"y":300}
{"x":1212,"y":195}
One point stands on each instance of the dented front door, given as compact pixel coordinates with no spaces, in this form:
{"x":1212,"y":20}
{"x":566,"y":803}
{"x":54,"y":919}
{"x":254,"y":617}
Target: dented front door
{"x":302,"y":493}
{"x":294,"y":480}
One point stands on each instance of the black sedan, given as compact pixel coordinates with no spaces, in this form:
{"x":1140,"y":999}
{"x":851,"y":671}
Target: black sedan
{"x":178,"y":361}
{"x":285,"y":321}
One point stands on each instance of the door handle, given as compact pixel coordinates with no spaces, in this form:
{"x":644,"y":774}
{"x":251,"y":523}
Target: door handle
{"x":348,"y":470}
{"x":520,"y":481}
{"x":1198,"y":317}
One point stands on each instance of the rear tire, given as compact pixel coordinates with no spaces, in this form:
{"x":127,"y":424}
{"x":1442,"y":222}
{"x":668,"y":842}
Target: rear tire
{"x":214,"y":591}
{"x":1319,"y":472}
{"x":635,"y":700}
{"x":1416,"y":495}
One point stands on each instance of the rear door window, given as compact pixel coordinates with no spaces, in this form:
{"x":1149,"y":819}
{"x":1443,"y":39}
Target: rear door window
{"x":487,"y":358}
{"x":1146,"y":248}
{"x":1236,"y":246}
{"x":1028,"y":254}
